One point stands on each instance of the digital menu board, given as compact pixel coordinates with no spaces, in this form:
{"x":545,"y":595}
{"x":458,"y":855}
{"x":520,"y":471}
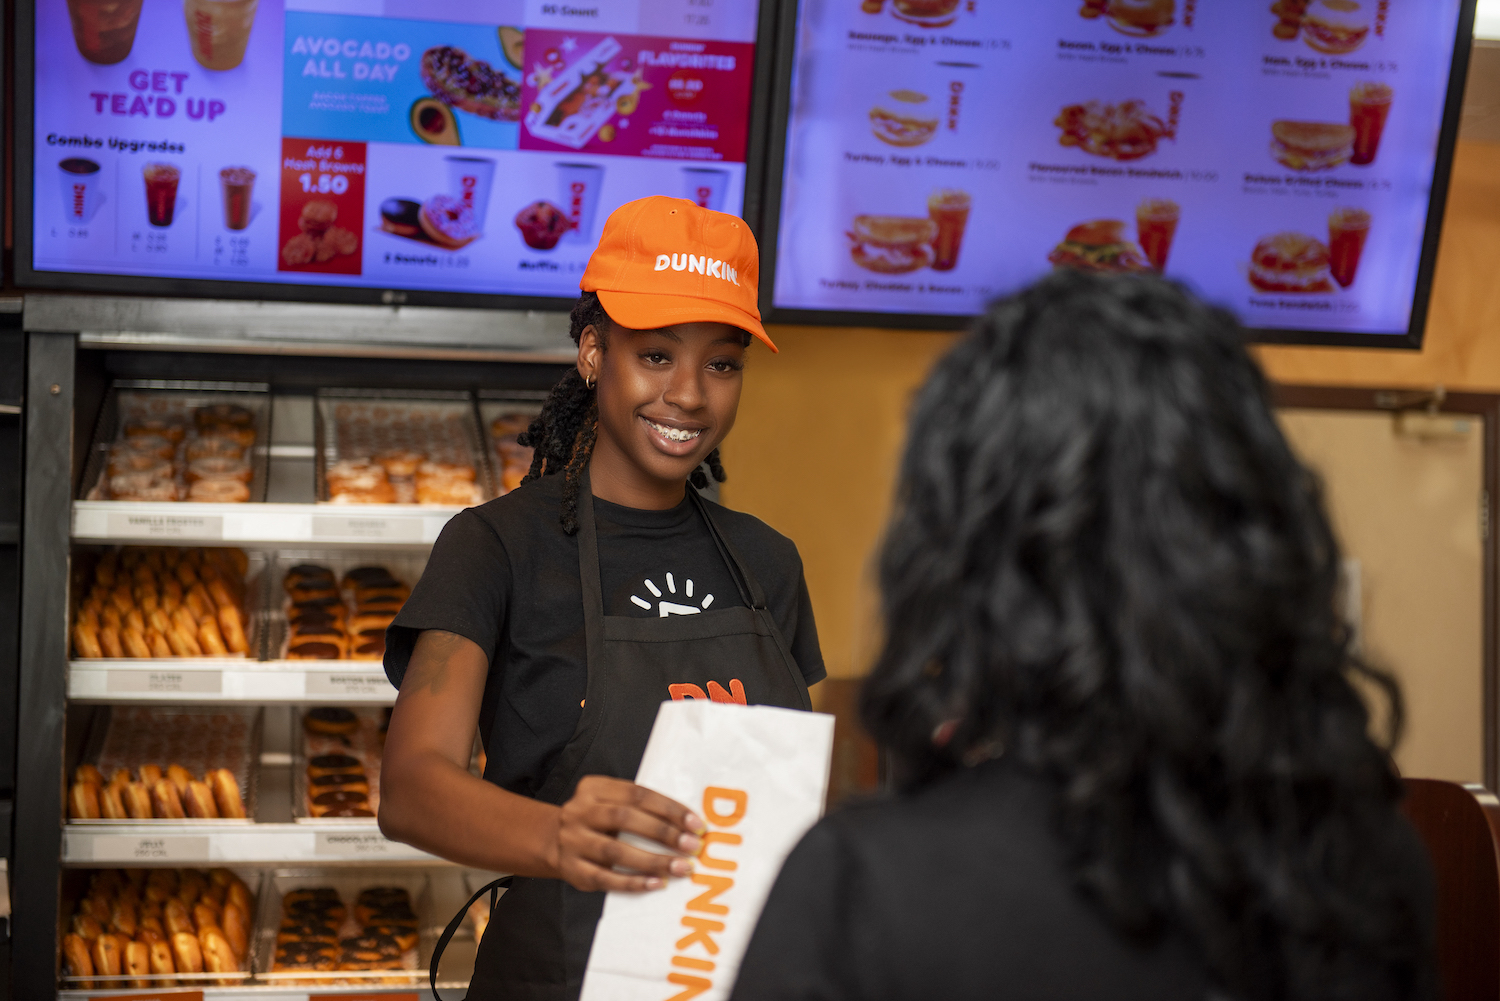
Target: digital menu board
{"x":438,"y":145}
{"x":1280,"y":158}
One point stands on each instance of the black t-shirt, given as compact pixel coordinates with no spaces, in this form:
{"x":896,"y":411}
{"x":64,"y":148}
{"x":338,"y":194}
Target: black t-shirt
{"x":960,"y":891}
{"x":505,"y":575}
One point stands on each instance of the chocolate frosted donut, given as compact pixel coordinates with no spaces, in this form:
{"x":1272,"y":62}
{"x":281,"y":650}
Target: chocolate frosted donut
{"x":325,"y":763}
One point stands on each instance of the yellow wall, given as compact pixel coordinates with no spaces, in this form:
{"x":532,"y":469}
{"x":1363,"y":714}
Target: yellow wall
{"x":820,"y":428}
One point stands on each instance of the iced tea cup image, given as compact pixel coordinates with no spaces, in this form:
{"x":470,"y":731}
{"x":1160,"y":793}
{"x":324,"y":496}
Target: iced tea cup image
{"x":949,"y":209}
{"x":236,"y":184}
{"x":1347,"y":229}
{"x":1155,"y":226}
{"x":1369,"y":105}
{"x":926,"y":13}
{"x":219,"y":30}
{"x":161,"y":192}
{"x":104,"y":30}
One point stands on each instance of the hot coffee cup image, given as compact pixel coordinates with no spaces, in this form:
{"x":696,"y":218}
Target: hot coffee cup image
{"x":469,"y":180}
{"x":704,"y":187}
{"x":219,"y":30}
{"x":578,"y":187}
{"x":161,"y":193}
{"x":81,"y":194}
{"x":104,"y":30}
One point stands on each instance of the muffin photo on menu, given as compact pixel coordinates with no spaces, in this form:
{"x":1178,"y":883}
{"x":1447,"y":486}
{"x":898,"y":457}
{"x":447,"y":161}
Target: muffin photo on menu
{"x":1136,"y":18}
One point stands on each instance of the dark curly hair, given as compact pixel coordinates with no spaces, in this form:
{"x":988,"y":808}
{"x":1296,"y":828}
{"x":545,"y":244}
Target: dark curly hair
{"x":563,"y":434}
{"x":1107,"y":562}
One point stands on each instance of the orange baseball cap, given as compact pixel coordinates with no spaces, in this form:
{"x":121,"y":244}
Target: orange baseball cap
{"x":665,"y":260}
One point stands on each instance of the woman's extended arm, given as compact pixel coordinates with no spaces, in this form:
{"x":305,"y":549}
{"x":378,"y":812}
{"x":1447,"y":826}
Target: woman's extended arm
{"x":429,"y":799}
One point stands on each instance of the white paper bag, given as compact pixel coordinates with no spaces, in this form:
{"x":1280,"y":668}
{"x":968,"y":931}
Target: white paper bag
{"x":757,"y":776}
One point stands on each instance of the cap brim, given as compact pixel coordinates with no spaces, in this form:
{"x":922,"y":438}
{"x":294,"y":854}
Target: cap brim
{"x":650,"y":310}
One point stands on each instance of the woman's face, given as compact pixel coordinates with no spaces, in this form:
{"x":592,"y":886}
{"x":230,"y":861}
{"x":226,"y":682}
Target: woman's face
{"x":667,"y":397}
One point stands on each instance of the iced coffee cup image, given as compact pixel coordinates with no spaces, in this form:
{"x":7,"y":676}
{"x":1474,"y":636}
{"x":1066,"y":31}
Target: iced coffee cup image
{"x":1155,"y":227}
{"x":705,"y":187}
{"x":236,"y":185}
{"x":104,"y":30}
{"x":161,"y":193}
{"x":1348,"y":227}
{"x":81,"y":194}
{"x":469,"y":180}
{"x":948,"y":208}
{"x":578,"y":187}
{"x":219,"y":30}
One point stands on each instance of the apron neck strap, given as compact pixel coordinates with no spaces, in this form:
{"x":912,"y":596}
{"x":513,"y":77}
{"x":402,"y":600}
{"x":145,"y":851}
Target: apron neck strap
{"x":750,"y":589}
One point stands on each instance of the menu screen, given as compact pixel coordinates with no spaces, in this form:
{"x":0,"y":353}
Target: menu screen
{"x":1276,"y":157}
{"x":397,"y":144}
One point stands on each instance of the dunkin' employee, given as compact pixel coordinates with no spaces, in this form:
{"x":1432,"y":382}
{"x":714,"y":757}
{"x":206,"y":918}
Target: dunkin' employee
{"x":558,"y":618}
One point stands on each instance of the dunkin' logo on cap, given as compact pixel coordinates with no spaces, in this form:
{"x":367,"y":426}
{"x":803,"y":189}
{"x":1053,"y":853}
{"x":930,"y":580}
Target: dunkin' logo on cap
{"x":702,"y":265}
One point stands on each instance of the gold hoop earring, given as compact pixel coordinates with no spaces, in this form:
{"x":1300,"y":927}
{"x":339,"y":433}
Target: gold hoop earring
{"x":590,"y":383}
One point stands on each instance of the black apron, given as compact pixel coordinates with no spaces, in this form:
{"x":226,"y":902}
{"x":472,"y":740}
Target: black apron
{"x":539,"y":935}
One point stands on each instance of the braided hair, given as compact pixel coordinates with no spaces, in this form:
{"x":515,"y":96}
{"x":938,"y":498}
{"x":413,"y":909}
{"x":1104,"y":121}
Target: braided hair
{"x":563,"y":434}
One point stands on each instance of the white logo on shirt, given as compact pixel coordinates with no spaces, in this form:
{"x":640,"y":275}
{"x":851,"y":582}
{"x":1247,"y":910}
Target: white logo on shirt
{"x":665,"y":607}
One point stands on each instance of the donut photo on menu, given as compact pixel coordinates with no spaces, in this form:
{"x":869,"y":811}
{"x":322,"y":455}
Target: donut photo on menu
{"x":1124,"y":131}
{"x":442,"y":221}
{"x":1136,"y":18}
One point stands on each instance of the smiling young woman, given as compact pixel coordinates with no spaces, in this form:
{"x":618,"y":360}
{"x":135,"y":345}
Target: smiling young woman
{"x":557,"y":618}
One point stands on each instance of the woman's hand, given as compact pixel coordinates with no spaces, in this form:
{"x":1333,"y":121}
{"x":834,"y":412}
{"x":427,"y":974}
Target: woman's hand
{"x":588,"y":847}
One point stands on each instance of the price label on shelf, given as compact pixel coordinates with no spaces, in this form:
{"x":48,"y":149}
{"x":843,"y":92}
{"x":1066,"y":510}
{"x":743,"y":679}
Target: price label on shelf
{"x":354,"y":844}
{"x":127,"y":525}
{"x":135,"y":682}
{"x":368,"y":996}
{"x":149,"y":848}
{"x":346,"y":684}
{"x":176,"y":995}
{"x":344,"y":527}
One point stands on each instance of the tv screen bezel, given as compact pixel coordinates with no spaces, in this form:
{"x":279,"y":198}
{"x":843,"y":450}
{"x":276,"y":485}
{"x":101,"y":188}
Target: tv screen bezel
{"x":774,"y":172}
{"x":28,"y":277}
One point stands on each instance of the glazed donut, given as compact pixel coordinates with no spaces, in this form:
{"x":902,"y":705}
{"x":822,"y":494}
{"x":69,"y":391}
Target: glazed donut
{"x":332,"y":764}
{"x":86,"y":927}
{"x":161,"y":957}
{"x":109,"y":642}
{"x":331,"y":720}
{"x":186,"y":619}
{"x":150,"y":929}
{"x":166,"y":802}
{"x":239,"y":895}
{"x":184,"y":574}
{"x":150,"y":774}
{"x":232,"y":629}
{"x":157,"y":641}
{"x":137,"y":961}
{"x":155,"y":445}
{"x":160,"y":620}
{"x":186,"y":955}
{"x":131,"y":618}
{"x":147,"y":599}
{"x":83,"y":801}
{"x":107,"y":954}
{"x":381,"y":493}
{"x":447,"y":493}
{"x":231,"y":414}
{"x":88,"y":773}
{"x":227,"y":793}
{"x":197,"y":602}
{"x":146,"y":486}
{"x":220,"y":594}
{"x":176,"y":917}
{"x":446,"y":471}
{"x":217,"y":468}
{"x":134,"y":641}
{"x":112,"y":803}
{"x":122,"y":918}
{"x":137,"y":801}
{"x":146,"y":427}
{"x":86,"y":641}
{"x":214,"y":446}
{"x":210,"y":639}
{"x":236,"y":928}
{"x":128,"y":462}
{"x":183,"y":643}
{"x":218,"y":492}
{"x":205,"y":915}
{"x":180,"y":777}
{"x":190,"y":886}
{"x":76,"y":953}
{"x":198,"y":801}
{"x":400,"y":462}
{"x":218,"y":955}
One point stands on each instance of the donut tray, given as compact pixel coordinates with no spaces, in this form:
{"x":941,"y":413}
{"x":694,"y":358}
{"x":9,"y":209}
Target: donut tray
{"x":131,"y":736}
{"x":360,"y":423}
{"x":404,"y":566}
{"x":255,"y":879}
{"x":507,"y":464}
{"x":413,"y":963}
{"x":254,"y":614}
{"x":366,"y":743}
{"x":132,"y":399}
